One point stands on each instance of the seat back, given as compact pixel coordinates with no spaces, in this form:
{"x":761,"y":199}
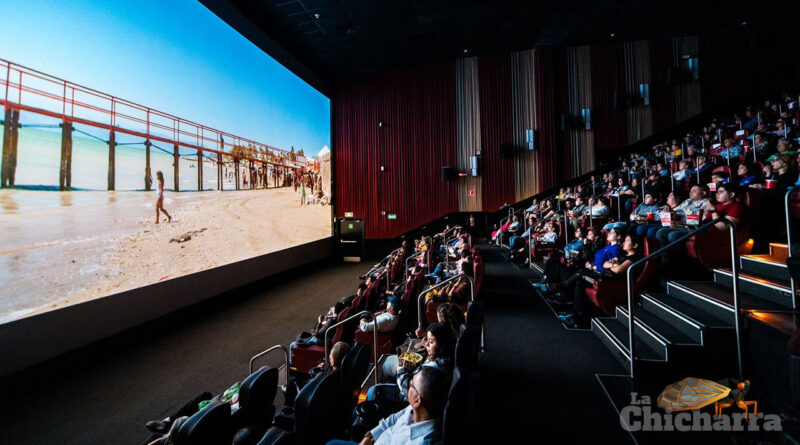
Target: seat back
{"x":468,"y":348}
{"x":257,"y":395}
{"x":209,"y":426}
{"x":475,"y":314}
{"x":317,"y":413}
{"x":477,"y":274}
{"x":649,"y":268}
{"x":355,"y":366}
{"x":461,"y":410}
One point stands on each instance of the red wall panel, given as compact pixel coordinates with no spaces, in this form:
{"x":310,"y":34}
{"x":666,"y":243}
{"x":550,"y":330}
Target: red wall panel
{"x":418,"y":137}
{"x":608,"y":76}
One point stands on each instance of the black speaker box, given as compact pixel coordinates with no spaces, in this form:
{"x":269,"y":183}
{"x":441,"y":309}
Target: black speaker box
{"x":448,"y":173}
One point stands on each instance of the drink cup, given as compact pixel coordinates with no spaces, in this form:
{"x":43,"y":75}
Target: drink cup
{"x":771,"y":184}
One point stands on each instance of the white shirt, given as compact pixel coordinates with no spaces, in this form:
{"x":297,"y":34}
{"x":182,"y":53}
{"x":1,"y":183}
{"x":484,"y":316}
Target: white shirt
{"x":386,"y":323}
{"x":398,"y":429}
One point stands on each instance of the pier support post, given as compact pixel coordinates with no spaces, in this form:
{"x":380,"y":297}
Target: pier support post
{"x":199,"y":170}
{"x":176,"y":158}
{"x":236,"y":171}
{"x":112,"y":146}
{"x":65,"y":173}
{"x":10,"y":138}
{"x":219,"y":172}
{"x":148,"y":175}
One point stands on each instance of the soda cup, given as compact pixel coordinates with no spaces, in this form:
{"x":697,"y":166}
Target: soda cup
{"x":771,"y":184}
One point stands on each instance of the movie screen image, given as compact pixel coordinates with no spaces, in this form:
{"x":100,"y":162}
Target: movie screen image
{"x":141,"y":144}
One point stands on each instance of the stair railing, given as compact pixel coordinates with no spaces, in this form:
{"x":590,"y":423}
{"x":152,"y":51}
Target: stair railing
{"x":285,"y":361}
{"x":362,"y":314}
{"x":735,"y":286}
{"x":422,"y":294}
{"x":410,"y":257}
{"x":789,"y":242}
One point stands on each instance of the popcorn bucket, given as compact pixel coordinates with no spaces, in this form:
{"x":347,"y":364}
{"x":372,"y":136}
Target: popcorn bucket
{"x":693,"y":217}
{"x":666,"y":219}
{"x":712,"y":186}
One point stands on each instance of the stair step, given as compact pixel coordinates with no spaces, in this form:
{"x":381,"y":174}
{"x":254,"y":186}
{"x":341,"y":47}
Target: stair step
{"x":618,"y":334}
{"x":656,"y":304}
{"x":666,"y":332}
{"x":702,"y":296}
{"x":765,"y":266}
{"x":644,"y":332}
{"x":779,"y":251}
{"x":764,"y":293}
{"x":538,"y":267}
{"x":695,"y":315}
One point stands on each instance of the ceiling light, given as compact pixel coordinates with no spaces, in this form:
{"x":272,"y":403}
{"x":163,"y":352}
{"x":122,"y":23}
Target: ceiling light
{"x":612,"y":35}
{"x":744,"y":23}
{"x":316,"y":15}
{"x":465,"y":50}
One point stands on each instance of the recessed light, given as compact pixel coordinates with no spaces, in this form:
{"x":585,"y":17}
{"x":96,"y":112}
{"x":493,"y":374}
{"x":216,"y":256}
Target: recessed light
{"x":744,"y":23}
{"x":465,"y":50}
{"x":612,"y":35}
{"x":316,"y":15}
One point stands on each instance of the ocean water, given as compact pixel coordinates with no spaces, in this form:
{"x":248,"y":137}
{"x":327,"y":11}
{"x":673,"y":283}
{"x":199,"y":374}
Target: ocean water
{"x":39,"y":160}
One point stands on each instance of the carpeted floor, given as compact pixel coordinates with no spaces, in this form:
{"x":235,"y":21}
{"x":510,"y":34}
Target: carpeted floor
{"x":538,"y":378}
{"x":105,"y":393}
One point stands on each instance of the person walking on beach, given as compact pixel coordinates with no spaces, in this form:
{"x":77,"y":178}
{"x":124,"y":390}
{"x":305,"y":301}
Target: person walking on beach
{"x":302,"y":193}
{"x":160,"y":199}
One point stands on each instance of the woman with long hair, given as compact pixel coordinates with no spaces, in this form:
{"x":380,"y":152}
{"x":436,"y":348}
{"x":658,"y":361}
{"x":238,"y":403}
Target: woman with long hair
{"x":160,"y":199}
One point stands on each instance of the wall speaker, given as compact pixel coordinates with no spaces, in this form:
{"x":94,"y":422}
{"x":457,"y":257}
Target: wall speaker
{"x":506,"y":150}
{"x":448,"y":173}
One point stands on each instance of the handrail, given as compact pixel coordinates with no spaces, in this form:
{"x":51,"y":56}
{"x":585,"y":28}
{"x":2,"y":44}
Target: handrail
{"x":285,"y":358}
{"x":792,"y":284}
{"x":446,"y":232}
{"x":735,"y":288}
{"x":422,"y":294}
{"x":374,"y":341}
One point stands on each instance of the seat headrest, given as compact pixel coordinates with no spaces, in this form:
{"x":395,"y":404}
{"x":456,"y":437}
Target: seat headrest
{"x":257,"y":395}
{"x":209,"y":426}
{"x":355,"y":366}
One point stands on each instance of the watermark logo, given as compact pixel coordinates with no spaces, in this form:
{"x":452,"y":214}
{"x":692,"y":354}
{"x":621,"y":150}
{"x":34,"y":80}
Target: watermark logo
{"x":683,"y":400}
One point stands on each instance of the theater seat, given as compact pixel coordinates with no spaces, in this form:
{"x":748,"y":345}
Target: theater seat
{"x":609,"y":294}
{"x":209,"y":426}
{"x":256,"y":398}
{"x":318,"y":413}
{"x":385,"y":342}
{"x":711,"y":248}
{"x":305,"y":358}
{"x":355,"y":367}
{"x":468,"y":348}
{"x":461,"y":412}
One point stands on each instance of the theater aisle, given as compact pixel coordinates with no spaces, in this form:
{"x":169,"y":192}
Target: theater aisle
{"x":105,"y":393}
{"x":538,"y":378}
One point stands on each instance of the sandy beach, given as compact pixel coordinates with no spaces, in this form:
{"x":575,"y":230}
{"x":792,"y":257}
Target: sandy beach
{"x":61,"y":248}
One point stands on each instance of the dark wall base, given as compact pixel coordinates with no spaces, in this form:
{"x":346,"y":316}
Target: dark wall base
{"x":34,"y":339}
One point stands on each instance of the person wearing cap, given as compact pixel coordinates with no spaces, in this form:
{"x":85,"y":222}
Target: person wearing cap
{"x":386,"y":320}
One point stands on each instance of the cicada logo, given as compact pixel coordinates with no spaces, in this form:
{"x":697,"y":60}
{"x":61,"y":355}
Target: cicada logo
{"x":687,"y":397}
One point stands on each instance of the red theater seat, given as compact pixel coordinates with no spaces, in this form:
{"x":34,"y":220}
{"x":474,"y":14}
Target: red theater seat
{"x":305,"y":358}
{"x":609,"y":294}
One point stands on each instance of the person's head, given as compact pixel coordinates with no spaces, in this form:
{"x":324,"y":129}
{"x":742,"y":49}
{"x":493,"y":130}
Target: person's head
{"x":635,"y":183}
{"x":451,"y":316}
{"x":673,"y":200}
{"x":338,"y":308}
{"x":631,"y":244}
{"x":701,"y":160}
{"x":780,"y":164}
{"x":649,"y":198}
{"x":439,"y":341}
{"x":620,"y":182}
{"x":160,"y":176}
{"x":783,"y":145}
{"x":393,"y":305}
{"x":361,"y":288}
{"x":338,"y":351}
{"x":464,"y":254}
{"x":514,"y":218}
{"x":551,"y":228}
{"x":614,"y":235}
{"x":569,"y":203}
{"x":698,"y":192}
{"x":758,"y":137}
{"x":729,"y":142}
{"x":726,"y":192}
{"x":427,"y":393}
{"x":580,"y":233}
{"x":744,"y":169}
{"x":601,"y":202}
{"x":718,"y":177}
{"x":579,"y":201}
{"x":691,"y":150}
{"x":593,"y":234}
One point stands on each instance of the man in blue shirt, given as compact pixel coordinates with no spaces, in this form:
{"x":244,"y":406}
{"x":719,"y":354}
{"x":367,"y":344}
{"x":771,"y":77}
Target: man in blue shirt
{"x":611,"y":251}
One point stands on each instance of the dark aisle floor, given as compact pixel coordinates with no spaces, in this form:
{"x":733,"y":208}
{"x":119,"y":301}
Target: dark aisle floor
{"x":538,"y":379}
{"x":102,"y":397}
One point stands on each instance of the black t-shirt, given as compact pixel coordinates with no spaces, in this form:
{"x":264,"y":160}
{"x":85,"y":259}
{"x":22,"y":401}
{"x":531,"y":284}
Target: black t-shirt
{"x":632,"y":258}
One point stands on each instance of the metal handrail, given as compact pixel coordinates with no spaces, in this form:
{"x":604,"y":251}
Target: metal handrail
{"x":374,"y":341}
{"x":446,"y":232}
{"x":422,"y":294}
{"x":792,"y":284}
{"x":735,"y":288}
{"x":285,"y":360}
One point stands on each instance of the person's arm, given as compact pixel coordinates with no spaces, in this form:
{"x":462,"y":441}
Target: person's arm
{"x":386,"y":423}
{"x":620,"y":268}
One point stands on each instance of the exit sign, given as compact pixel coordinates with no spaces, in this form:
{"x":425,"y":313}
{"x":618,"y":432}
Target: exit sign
{"x":391,"y":216}
{"x":471,"y":192}
{"x":348,"y":214}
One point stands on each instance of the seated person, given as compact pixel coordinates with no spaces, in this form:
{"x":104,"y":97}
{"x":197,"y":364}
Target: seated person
{"x":447,"y":269}
{"x":440,"y":347}
{"x":641,"y":223}
{"x":457,"y":291}
{"x":696,"y":202}
{"x":386,"y":320}
{"x":748,"y":175}
{"x":730,"y":149}
{"x":317,"y":334}
{"x":596,"y":263}
{"x":600,"y":208}
{"x":419,"y":423}
{"x":615,"y":268}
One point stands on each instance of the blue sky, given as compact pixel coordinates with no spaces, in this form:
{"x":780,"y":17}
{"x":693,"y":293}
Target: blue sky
{"x":171,"y":55}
